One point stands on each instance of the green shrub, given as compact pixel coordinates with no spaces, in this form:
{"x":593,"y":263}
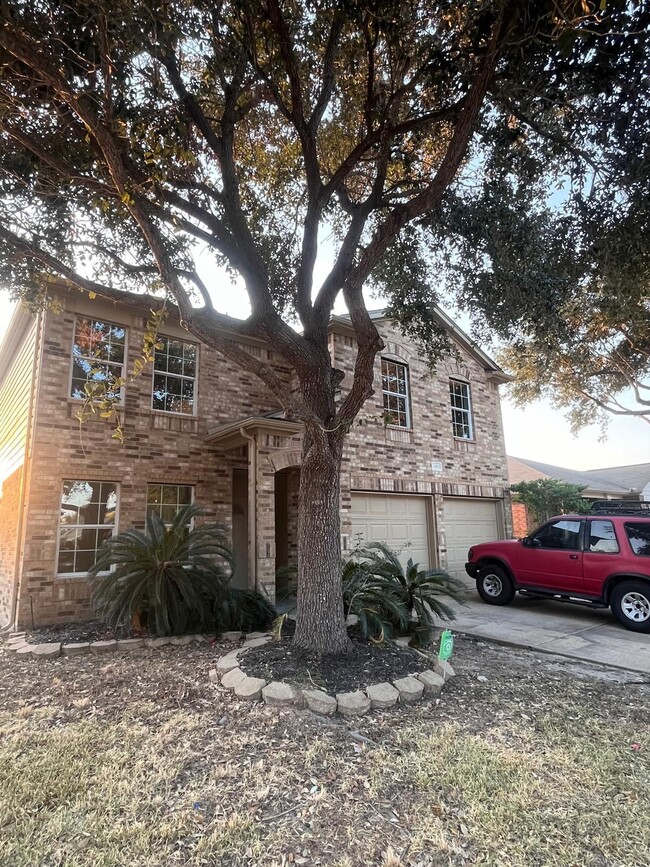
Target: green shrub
{"x":389,"y":598}
{"x":245,"y":610}
{"x":176,"y":576}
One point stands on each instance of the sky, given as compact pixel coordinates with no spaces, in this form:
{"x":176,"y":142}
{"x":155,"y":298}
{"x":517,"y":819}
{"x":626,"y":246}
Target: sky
{"x":539,"y":432}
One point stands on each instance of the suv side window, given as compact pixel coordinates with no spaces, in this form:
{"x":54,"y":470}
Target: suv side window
{"x":602,"y":538}
{"x":639,"y":535}
{"x":563,"y":535}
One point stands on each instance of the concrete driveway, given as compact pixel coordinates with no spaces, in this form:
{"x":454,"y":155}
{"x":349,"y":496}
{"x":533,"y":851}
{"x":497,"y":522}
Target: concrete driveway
{"x":592,"y":635}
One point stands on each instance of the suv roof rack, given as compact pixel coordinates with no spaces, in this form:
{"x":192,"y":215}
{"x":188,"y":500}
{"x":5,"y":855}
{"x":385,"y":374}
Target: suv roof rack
{"x":636,"y":508}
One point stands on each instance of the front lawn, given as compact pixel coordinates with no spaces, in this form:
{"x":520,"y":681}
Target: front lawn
{"x":139,"y":760}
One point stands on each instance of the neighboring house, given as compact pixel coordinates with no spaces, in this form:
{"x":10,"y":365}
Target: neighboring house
{"x":631,"y":482}
{"x":426,"y":469}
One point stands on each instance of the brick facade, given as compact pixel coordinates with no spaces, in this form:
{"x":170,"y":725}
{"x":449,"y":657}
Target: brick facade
{"x":230,"y":434}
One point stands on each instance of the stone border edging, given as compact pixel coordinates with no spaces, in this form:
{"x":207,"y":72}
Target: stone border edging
{"x":378,"y":696}
{"x":18,"y":644}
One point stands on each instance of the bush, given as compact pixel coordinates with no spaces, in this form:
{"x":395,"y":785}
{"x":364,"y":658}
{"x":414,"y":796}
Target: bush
{"x":389,"y":598}
{"x":245,"y":610}
{"x":176,"y":577}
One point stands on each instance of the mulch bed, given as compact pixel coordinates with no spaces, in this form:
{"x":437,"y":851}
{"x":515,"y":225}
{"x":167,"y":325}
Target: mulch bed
{"x":72,"y":633}
{"x":367,"y":664}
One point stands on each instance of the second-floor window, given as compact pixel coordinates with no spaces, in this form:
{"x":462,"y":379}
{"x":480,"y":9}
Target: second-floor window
{"x":395,"y":389}
{"x":174,"y":376}
{"x":461,"y":410}
{"x":97,"y":355}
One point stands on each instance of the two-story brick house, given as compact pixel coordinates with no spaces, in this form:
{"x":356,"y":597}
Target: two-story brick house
{"x":426,"y":468}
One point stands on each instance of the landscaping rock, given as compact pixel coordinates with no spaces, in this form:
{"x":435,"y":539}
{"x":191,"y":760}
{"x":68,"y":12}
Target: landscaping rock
{"x":402,"y":640}
{"x":231,"y":636}
{"x":15,"y":646}
{"x":250,"y":688}
{"x":213,"y":675}
{"x":25,"y":650}
{"x":227,"y":663}
{"x":47,"y":651}
{"x":433,"y":683}
{"x":231,"y":678}
{"x":103,"y":646}
{"x":251,"y":635}
{"x":410,"y":689}
{"x":16,"y":638}
{"x":278,"y":694}
{"x":256,"y":642}
{"x":76,"y":649}
{"x":181,"y":640}
{"x":157,"y":642}
{"x":352,"y":704}
{"x":351,"y":620}
{"x":382,"y":695}
{"x":319,"y":701}
{"x":130,"y":643}
{"x":440,"y":667}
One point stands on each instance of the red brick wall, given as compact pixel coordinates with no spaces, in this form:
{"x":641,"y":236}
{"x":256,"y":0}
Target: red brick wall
{"x":521,"y":523}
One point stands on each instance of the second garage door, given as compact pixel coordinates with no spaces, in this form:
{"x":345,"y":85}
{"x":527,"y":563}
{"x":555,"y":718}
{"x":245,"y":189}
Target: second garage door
{"x":467,"y":522}
{"x":398,"y":521}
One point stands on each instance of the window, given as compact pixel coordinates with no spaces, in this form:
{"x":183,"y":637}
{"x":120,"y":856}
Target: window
{"x":461,"y":410}
{"x":564,"y":535}
{"x":639,"y":535}
{"x":97,"y":355}
{"x":394,"y":384}
{"x":174,"y":378}
{"x":168,"y":500}
{"x":602,"y":538}
{"x":88,"y":518}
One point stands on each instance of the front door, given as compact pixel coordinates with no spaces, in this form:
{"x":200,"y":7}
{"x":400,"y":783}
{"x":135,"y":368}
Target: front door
{"x":554,"y":559}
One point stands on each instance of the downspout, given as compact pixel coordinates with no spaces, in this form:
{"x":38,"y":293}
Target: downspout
{"x":27,"y":460}
{"x":252,"y":508}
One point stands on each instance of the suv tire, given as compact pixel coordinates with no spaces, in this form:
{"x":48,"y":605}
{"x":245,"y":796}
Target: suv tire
{"x":630,"y":605}
{"x":495,"y":586}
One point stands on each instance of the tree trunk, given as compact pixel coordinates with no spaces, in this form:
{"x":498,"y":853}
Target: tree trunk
{"x":320,"y":625}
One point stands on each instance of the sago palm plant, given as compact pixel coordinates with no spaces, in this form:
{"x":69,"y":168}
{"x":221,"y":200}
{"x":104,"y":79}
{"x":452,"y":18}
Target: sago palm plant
{"x":176,"y":575}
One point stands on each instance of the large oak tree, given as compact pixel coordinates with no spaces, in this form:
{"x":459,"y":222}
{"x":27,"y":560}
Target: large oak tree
{"x":424,"y":137}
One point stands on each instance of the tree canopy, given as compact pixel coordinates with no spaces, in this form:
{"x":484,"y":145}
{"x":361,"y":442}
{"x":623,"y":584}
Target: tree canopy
{"x":547,"y":497}
{"x":496,"y":150}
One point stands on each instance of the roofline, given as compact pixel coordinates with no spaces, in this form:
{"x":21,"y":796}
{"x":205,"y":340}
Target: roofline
{"x":495,"y":373}
{"x":234,"y":428}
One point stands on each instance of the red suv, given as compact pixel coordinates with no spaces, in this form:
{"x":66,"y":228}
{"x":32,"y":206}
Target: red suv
{"x":602,"y":560}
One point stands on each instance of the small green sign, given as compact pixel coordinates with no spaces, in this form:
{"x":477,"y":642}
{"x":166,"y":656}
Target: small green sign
{"x":446,"y":646}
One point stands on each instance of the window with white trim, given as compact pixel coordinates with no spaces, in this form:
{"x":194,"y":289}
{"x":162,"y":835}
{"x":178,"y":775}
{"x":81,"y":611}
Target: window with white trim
{"x":174,"y":377}
{"x":88,"y":518}
{"x":461,"y":409}
{"x":98,"y":353}
{"x":168,"y":500}
{"x":395,"y":390}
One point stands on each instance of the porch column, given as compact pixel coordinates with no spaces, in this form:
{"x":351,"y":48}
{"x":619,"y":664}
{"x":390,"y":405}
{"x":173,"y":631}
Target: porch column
{"x":261,"y":519}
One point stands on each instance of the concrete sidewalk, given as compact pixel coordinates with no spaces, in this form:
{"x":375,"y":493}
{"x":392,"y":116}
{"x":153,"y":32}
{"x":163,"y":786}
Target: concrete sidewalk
{"x":591,"y":635}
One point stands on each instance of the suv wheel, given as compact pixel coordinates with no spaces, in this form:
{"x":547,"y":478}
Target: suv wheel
{"x":495,"y":586}
{"x":631,"y":605}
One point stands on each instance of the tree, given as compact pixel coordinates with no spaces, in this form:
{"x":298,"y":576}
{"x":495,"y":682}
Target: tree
{"x":135,"y":131}
{"x":547,"y":497}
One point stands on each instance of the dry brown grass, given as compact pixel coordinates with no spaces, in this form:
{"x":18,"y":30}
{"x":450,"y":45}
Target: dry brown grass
{"x":140,"y":761}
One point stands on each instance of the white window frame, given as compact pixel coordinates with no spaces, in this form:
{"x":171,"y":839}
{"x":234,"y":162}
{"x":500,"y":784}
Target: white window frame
{"x":176,"y":485}
{"x":113,"y":526}
{"x":467,"y":411}
{"x":116,"y":364}
{"x":406,"y":396}
{"x":180,"y":376}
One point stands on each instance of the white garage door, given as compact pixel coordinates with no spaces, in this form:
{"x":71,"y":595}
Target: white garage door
{"x":398,"y":521}
{"x":467,"y":522}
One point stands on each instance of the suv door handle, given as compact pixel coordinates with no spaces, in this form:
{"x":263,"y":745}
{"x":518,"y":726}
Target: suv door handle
{"x":573,"y":556}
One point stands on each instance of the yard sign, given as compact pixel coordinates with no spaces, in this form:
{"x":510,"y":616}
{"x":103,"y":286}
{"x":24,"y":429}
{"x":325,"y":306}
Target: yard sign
{"x":446,"y":650}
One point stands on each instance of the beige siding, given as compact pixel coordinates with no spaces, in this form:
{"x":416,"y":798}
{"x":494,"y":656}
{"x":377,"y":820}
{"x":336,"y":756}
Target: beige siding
{"x":15,"y":389}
